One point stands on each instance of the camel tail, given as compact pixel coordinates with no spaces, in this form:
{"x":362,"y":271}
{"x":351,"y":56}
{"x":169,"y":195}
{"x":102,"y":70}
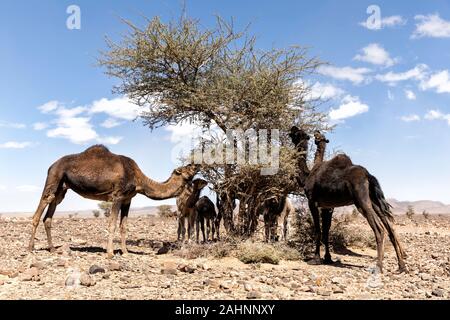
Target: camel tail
{"x":381,"y":206}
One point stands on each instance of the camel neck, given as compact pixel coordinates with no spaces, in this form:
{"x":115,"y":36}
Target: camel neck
{"x":161,"y":190}
{"x":303,"y":167}
{"x":320,"y":153}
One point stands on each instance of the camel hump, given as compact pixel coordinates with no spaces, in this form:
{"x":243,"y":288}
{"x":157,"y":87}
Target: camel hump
{"x":341,"y":161}
{"x":97,"y":148}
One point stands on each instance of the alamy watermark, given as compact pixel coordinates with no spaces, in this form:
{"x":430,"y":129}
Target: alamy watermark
{"x":250,"y":147}
{"x":73,"y":22}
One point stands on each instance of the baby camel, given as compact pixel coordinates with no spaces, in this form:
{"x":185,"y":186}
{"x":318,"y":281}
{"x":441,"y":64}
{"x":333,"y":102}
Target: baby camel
{"x":206,"y":211}
{"x":186,"y":207}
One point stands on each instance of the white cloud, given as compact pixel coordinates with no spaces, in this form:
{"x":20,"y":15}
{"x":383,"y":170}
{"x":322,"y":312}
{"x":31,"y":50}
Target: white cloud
{"x":375,"y":54}
{"x":437,"y":115}
{"x":355,"y":75}
{"x":390,"y":21}
{"x":15,"y":145}
{"x":73,"y":124}
{"x":121,"y":108}
{"x":49,"y":106}
{"x":439,"y":81}
{"x":410,"y":95}
{"x":431,"y":25}
{"x":2,"y":187}
{"x":324,"y":91}
{"x":350,"y":107}
{"x":5,"y":124}
{"x":417,"y":73}
{"x":38,"y":126}
{"x":410,"y":118}
{"x":110,"y":123}
{"x":28,"y":188}
{"x":78,"y":130}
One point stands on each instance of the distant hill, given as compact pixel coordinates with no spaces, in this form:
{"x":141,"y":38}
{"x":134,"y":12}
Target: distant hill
{"x":433,"y":207}
{"x":398,"y":207}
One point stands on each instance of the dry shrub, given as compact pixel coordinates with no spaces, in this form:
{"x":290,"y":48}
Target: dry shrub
{"x":258,"y":253}
{"x":217,"y":250}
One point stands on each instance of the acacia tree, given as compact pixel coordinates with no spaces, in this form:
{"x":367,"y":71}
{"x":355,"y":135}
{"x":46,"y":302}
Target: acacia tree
{"x":179,"y":71}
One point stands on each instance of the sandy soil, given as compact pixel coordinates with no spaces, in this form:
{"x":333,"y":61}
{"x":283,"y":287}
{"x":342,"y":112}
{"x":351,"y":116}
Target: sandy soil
{"x":144,"y":274}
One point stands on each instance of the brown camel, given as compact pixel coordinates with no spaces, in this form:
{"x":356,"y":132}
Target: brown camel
{"x":338,"y":182}
{"x":206,"y":211}
{"x":98,"y":174}
{"x":186,"y":207}
{"x":276,"y":211}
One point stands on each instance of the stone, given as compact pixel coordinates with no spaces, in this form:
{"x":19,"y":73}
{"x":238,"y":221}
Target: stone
{"x":31,"y":274}
{"x":169,"y":268}
{"x":61,"y":262}
{"x":211,"y":283}
{"x":254,"y":295}
{"x":186,"y":268}
{"x":163,"y":250}
{"x":324,"y":292}
{"x":86,"y":280}
{"x":114,"y":266}
{"x":38,"y":264}
{"x":426,"y":277}
{"x":336,"y":280}
{"x":96,"y":269}
{"x":438,"y":293}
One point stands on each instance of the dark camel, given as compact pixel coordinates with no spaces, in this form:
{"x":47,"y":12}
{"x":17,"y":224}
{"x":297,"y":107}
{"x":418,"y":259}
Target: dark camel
{"x":206,"y":211}
{"x":336,"y":183}
{"x":98,"y":174}
{"x":186,"y":207}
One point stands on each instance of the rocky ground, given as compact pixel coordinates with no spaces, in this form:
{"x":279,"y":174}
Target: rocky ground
{"x":79,"y":269}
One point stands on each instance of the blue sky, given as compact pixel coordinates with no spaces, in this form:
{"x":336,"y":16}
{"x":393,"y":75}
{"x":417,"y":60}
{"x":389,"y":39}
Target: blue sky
{"x":389,"y":88}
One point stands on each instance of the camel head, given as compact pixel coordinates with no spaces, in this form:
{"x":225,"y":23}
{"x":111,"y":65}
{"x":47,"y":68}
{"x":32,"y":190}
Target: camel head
{"x":319,"y":137}
{"x":187,"y":172}
{"x":199,"y":184}
{"x":300,"y":138}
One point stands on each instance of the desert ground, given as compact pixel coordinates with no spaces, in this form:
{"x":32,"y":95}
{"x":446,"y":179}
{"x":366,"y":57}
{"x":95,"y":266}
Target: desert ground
{"x":79,"y":268}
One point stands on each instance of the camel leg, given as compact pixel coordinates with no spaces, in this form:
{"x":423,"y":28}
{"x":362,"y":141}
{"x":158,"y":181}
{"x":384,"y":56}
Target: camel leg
{"x":208,"y":228}
{"x":112,"y":228}
{"x":401,"y":255}
{"x":61,"y":193}
{"x":213,"y":227}
{"x":202,"y":224}
{"x":191,"y":223}
{"x":316,"y":219}
{"x":217,"y":221}
{"x":364,"y":204}
{"x":197,"y":229}
{"x":326,"y":224}
{"x":44,"y":202}
{"x":124,"y":210}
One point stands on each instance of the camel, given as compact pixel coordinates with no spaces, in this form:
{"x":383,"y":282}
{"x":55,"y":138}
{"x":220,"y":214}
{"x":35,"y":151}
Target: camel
{"x":336,"y":183}
{"x":276,"y":211}
{"x":206,"y":211}
{"x":101,"y":175}
{"x":186,"y":207}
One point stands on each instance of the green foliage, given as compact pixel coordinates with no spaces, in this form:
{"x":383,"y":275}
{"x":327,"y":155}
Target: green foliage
{"x":181,"y":71}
